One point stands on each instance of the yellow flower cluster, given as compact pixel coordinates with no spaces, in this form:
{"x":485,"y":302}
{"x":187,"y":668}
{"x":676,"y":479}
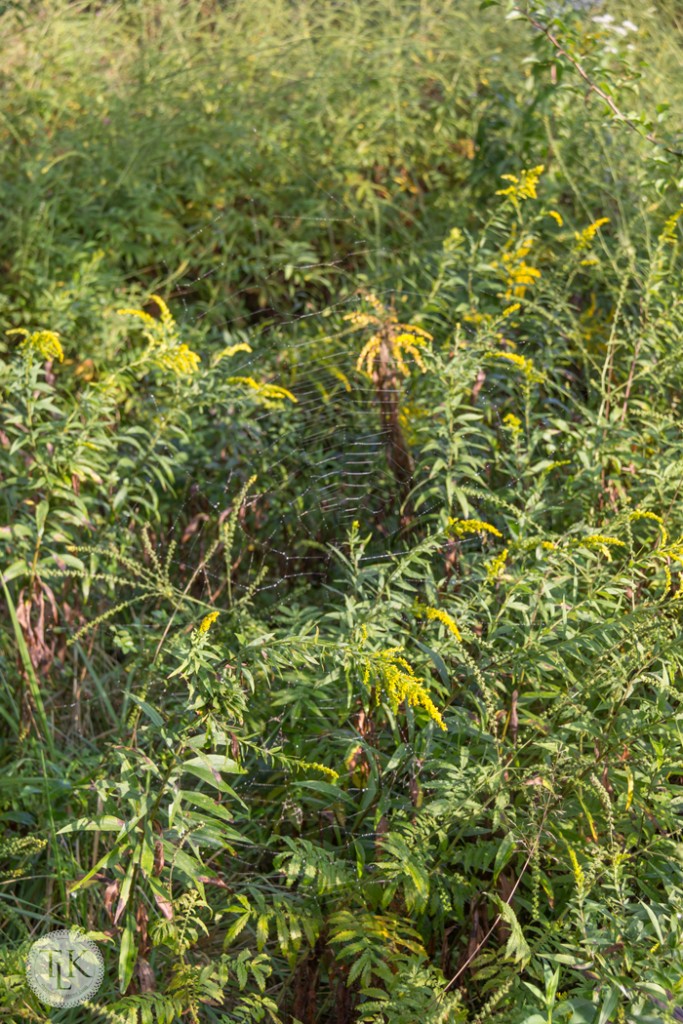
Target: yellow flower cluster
{"x":522,"y":187}
{"x":408,"y":342}
{"x":397,"y":682}
{"x":43,"y":343}
{"x":669,"y":232}
{"x":165,"y":348}
{"x":462,"y":527}
{"x":207,"y":622}
{"x":513,"y":423}
{"x":509,"y":310}
{"x":522,"y":363}
{"x":585,"y":237}
{"x":599,"y":539}
{"x":577,"y":870}
{"x":180,"y":360}
{"x":404,"y":339}
{"x":331,"y":774}
{"x":600,"y":542}
{"x":496,"y":565}
{"x":643,"y":514}
{"x":519,"y":275}
{"x":231,"y":350}
{"x":439,"y":615}
{"x":268,"y":391}
{"x":557,"y":217}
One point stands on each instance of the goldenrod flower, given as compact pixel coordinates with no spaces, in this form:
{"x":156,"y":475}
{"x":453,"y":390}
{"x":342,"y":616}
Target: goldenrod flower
{"x":403,"y":339}
{"x":397,"y":682}
{"x":329,"y":772}
{"x":440,"y":615}
{"x":509,"y":310}
{"x":164,"y":346}
{"x":44,"y":343}
{"x":180,"y":360}
{"x":598,"y":540}
{"x":557,"y":217}
{"x":207,"y":622}
{"x":522,"y":187}
{"x":268,"y":391}
{"x":579,"y":876}
{"x":496,"y":565}
{"x":644,"y":514}
{"x":585,"y":237}
{"x":669,"y":232}
{"x":519,"y":274}
{"x":513,"y":423}
{"x":231,"y":350}
{"x":523,"y":364}
{"x":462,"y":527}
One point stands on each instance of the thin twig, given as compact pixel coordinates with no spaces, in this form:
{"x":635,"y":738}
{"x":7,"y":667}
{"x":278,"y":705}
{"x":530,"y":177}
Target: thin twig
{"x":592,"y":87}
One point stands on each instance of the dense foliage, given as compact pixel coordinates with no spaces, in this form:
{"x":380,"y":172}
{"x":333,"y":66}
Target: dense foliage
{"x":342,"y":544}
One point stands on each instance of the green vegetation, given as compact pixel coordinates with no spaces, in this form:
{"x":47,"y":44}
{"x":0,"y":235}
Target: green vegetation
{"x":341,"y":450}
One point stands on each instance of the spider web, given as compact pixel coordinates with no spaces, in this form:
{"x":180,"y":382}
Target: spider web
{"x":332,"y":440}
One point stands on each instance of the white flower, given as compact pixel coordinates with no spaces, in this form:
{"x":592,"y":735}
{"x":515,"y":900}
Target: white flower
{"x":629,"y":26}
{"x":603,"y":19}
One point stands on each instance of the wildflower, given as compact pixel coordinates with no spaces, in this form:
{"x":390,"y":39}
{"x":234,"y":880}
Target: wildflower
{"x":509,"y":310}
{"x":268,"y":391}
{"x":522,"y":187}
{"x":397,"y":681}
{"x":669,"y":231}
{"x":454,"y":240}
{"x":403,"y":339}
{"x":44,"y":343}
{"x":409,"y":341}
{"x":207,"y":622}
{"x":462,"y":527}
{"x":598,"y":540}
{"x":340,"y":376}
{"x":644,"y":514}
{"x":440,"y":615}
{"x":164,"y":347}
{"x":476,"y":317}
{"x":329,"y":772}
{"x":521,"y":362}
{"x":519,"y":274}
{"x":231,"y":350}
{"x":601,"y":543}
{"x":557,"y":217}
{"x":181,"y":360}
{"x":548,"y":545}
{"x":579,"y":876}
{"x":496,"y":565}
{"x":513,"y":423}
{"x":585,"y":237}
